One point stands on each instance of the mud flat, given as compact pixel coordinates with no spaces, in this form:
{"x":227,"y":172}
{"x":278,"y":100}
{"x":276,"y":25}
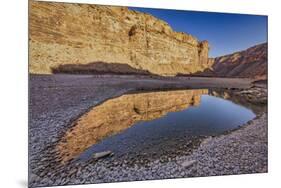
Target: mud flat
{"x":57,"y":100}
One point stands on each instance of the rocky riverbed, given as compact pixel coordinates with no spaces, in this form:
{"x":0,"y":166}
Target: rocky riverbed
{"x":57,"y":100}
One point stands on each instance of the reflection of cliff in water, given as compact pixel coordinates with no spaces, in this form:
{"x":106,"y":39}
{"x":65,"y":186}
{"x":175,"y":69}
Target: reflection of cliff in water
{"x":116,"y":115}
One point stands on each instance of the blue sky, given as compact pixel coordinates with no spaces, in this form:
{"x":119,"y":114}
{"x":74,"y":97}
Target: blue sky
{"x":226,"y":33}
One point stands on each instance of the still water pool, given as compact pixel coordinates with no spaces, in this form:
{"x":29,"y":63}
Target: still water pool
{"x":154,"y":122}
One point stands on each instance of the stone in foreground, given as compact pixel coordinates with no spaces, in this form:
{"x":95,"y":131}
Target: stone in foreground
{"x":102,"y":154}
{"x":187,"y":164}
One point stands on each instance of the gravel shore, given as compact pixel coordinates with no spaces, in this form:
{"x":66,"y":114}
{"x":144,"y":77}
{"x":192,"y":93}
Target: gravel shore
{"x":57,"y":100}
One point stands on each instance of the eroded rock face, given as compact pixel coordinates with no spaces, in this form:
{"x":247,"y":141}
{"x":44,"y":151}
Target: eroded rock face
{"x":249,"y":63}
{"x":64,"y":33}
{"x":116,"y":115}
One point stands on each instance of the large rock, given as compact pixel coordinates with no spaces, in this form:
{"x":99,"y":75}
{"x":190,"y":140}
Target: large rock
{"x":81,"y":34}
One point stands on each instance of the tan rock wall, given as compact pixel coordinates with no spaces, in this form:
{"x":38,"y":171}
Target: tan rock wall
{"x":64,"y":33}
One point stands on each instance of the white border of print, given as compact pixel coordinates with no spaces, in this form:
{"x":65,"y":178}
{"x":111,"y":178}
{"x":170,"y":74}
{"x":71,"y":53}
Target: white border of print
{"x":14,"y":91}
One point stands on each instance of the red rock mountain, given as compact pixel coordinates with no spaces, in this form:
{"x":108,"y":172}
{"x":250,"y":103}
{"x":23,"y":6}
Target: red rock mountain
{"x":249,"y":63}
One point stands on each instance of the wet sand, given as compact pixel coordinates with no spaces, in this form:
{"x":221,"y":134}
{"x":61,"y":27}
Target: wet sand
{"x":57,"y":100}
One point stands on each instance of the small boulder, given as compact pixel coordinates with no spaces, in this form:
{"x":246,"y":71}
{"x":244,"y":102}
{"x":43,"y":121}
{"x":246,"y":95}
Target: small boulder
{"x":102,"y":154}
{"x":187,"y":164}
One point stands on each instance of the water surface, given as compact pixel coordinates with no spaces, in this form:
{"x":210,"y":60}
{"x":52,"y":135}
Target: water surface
{"x":153,"y":123}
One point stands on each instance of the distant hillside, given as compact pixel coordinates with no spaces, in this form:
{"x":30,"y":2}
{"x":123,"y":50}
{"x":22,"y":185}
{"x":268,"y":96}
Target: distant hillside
{"x":250,"y":63}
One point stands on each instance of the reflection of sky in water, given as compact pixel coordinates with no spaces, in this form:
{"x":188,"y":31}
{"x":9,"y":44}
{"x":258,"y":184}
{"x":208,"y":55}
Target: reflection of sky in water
{"x":213,"y":116}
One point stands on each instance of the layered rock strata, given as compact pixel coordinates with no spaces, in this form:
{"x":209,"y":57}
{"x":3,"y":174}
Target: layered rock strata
{"x":249,"y":63}
{"x":80,"y":34}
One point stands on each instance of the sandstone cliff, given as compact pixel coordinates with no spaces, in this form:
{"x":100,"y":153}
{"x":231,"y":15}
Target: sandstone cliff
{"x":249,"y":63}
{"x":80,"y":34}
